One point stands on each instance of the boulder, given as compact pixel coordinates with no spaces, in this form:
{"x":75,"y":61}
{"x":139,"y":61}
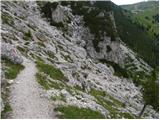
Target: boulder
{"x":10,"y":52}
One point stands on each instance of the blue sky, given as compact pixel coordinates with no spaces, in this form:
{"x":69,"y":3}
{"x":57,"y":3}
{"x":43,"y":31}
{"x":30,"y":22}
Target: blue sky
{"x":123,"y":2}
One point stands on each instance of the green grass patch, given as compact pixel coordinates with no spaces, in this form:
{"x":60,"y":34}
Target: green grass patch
{"x":27,"y":36}
{"x":102,"y":94}
{"x":4,"y":95}
{"x":7,"y":109}
{"x":111,"y":107}
{"x":7,"y":19}
{"x":12,"y":70}
{"x":110,"y":103}
{"x":77,"y":87}
{"x":56,"y":85}
{"x":127,"y":115}
{"x":42,"y":81}
{"x":71,"y":112}
{"x":48,"y":84}
{"x":115,"y":101}
{"x":96,"y":92}
{"x":50,"y":70}
{"x":99,"y":95}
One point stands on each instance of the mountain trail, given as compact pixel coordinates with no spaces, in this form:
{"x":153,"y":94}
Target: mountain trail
{"x":26,"y":96}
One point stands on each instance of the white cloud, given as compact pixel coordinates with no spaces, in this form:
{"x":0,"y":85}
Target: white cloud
{"x":123,"y":2}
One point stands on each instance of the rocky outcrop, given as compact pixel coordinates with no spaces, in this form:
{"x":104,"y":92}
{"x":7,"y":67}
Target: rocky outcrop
{"x":61,"y":14}
{"x":10,"y":52}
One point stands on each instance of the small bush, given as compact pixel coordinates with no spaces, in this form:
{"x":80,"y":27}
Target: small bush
{"x":51,"y":54}
{"x":59,"y":24}
{"x":119,"y":71}
{"x":95,"y":44}
{"x":108,"y":48}
{"x":27,"y":36}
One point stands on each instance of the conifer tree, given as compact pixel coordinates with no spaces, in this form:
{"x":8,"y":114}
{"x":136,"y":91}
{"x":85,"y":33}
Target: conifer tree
{"x":151,"y":92}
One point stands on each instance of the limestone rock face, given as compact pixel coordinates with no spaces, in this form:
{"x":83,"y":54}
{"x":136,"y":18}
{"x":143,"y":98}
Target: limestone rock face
{"x":61,"y":14}
{"x":10,"y":52}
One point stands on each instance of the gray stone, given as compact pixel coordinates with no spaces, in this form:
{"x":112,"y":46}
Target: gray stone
{"x":10,"y":52}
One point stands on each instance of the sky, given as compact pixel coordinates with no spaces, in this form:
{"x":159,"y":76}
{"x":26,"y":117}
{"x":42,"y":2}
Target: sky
{"x":123,"y":2}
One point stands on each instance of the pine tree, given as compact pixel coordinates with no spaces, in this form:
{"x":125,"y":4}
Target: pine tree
{"x":151,"y":92}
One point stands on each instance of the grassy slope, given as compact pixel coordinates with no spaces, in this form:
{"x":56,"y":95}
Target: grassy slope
{"x":53,"y":72}
{"x":146,"y":13}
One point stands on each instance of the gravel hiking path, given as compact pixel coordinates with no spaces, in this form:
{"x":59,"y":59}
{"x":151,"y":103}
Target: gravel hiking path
{"x":26,"y":96}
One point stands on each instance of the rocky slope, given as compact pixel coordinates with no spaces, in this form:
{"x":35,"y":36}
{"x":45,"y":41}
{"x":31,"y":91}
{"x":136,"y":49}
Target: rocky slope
{"x":65,"y":43}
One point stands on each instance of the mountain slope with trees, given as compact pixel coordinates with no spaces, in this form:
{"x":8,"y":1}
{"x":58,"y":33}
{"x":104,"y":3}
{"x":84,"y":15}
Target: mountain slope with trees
{"x":146,"y":14}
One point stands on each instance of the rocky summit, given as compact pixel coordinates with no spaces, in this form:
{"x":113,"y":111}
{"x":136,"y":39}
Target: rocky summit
{"x":75,"y":52}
